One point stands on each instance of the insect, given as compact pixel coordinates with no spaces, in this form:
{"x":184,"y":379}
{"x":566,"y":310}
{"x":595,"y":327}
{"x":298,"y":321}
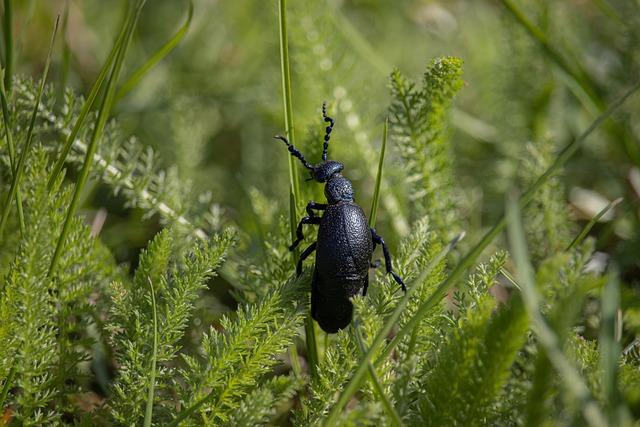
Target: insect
{"x":344,"y":245}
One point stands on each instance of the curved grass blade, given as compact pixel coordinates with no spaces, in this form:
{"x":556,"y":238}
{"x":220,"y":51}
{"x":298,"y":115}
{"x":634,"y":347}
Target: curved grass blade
{"x":103,"y":115}
{"x":377,"y":386}
{"x":164,"y":50}
{"x":564,"y":155}
{"x":7,"y":386}
{"x":148,"y":414}
{"x":358,"y":376}
{"x":548,"y":338}
{"x":88,"y":104}
{"x":580,"y":237}
{"x":376,"y":192}
{"x":12,"y":152}
{"x":19,"y":169}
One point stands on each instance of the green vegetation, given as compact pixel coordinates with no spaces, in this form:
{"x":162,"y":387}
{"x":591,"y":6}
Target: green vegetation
{"x":144,"y":272}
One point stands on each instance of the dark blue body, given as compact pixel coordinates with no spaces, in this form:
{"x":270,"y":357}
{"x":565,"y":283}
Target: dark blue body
{"x":345,"y":242}
{"x":343,"y":257}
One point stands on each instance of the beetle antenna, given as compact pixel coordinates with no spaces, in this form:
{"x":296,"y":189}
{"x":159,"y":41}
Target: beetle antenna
{"x":294,"y":151}
{"x":328,"y":130}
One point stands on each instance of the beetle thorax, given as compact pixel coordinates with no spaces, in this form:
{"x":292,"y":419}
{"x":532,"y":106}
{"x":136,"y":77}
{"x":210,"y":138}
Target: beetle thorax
{"x":338,"y":189}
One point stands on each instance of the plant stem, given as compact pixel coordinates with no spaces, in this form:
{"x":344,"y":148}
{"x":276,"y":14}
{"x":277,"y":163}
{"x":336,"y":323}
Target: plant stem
{"x":376,"y":192}
{"x":580,"y":237}
{"x":294,"y":186}
{"x":148,"y":415}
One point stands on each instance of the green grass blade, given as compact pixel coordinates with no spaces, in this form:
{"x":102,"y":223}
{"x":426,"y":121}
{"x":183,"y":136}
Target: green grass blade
{"x":165,"y":50}
{"x":580,"y":237}
{"x":19,"y":169}
{"x":7,"y":386}
{"x":358,"y":376}
{"x":7,"y":32}
{"x":548,"y":338}
{"x":66,"y":51}
{"x":579,"y":80}
{"x":294,"y":185}
{"x":394,"y":417}
{"x":610,"y":350}
{"x":103,"y":115}
{"x":148,"y":414}
{"x":12,"y":152}
{"x":376,"y":192}
{"x":88,"y":104}
{"x":470,"y":258}
{"x":578,"y":74}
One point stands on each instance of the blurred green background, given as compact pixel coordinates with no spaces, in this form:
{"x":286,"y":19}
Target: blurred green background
{"x":211,"y":107}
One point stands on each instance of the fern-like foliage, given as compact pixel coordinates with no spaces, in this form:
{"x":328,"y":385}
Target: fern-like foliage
{"x":45,"y":319}
{"x":481,"y":350}
{"x":419,"y":125}
{"x":122,"y":162}
{"x":260,"y":406}
{"x":235,"y":359}
{"x":176,"y":283}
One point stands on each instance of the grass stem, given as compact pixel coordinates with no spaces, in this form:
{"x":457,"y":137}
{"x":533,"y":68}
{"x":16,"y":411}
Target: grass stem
{"x":294,"y":185}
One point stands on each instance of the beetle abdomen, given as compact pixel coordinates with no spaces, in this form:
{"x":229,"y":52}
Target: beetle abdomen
{"x":332,"y":314}
{"x":344,"y":250}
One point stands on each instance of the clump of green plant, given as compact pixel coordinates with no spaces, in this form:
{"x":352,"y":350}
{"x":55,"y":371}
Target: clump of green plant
{"x":488,"y":334}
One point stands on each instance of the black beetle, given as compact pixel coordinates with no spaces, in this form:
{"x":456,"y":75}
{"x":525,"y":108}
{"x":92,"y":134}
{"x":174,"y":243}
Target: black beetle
{"x":344,"y":245}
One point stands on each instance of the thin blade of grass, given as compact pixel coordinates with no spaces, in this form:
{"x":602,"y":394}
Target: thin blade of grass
{"x":160,"y":54}
{"x":89,"y":103}
{"x":610,"y":350}
{"x":578,"y":80}
{"x":580,"y":237}
{"x":7,"y":32}
{"x":376,"y":192}
{"x":12,"y":152}
{"x":470,"y":258}
{"x":577,"y":72}
{"x":103,"y":115}
{"x":358,"y":376}
{"x":19,"y":169}
{"x":549,"y":340}
{"x":148,"y":414}
{"x":7,"y":386}
{"x":377,"y":386}
{"x":66,"y":51}
{"x":294,"y":185}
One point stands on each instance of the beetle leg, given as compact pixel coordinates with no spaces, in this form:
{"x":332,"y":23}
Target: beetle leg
{"x":311,"y":206}
{"x":299,"y":235}
{"x":374,"y":264}
{"x":366,"y":286}
{"x":304,"y":255}
{"x":387,"y":258}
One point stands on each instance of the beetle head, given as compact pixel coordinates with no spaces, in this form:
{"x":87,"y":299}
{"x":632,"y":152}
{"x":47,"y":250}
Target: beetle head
{"x":323,"y":171}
